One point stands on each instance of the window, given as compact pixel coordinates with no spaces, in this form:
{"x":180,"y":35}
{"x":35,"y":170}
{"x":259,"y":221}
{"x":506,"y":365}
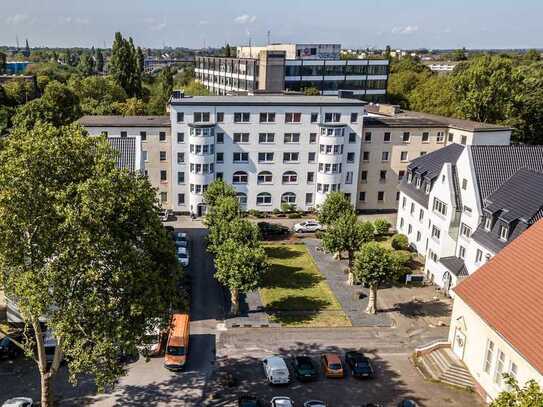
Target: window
{"x":332,"y":117}
{"x":386,"y":137}
{"x":428,"y":186}
{"x":180,"y":138}
{"x":478,"y":256}
{"x":350,"y":157}
{"x":314,"y":117}
{"x":349,"y":177}
{"x":362,"y":196}
{"x":425,"y":137}
{"x":461,"y":252}
{"x":293,"y":117}
{"x":504,"y":232}
{"x":384,"y":156}
{"x":422,"y":153}
{"x":401,"y":223}
{"x":312,"y":138}
{"x":180,"y":117}
{"x":219,"y":157}
{"x":290,"y":177}
{"x":288,"y":197}
{"x":463,"y":140}
{"x":264,"y":198}
{"x":242,"y":117}
{"x":310,"y":177}
{"x":201,"y":116}
{"x":364,"y":176}
{"x":352,"y":137}
{"x":180,"y":158}
{"x":311,"y":157}
{"x":240,"y":177}
{"x":265,"y":157}
{"x":440,"y":137}
{"x":124,"y":134}
{"x":409,"y":229}
{"x":433,"y":256}
{"x":292,"y":138}
{"x":220,"y":117}
{"x":266,"y":138}
{"x":354,"y":117}
{"x":403,"y":156}
{"x":163,"y":156}
{"x":489,"y":355}
{"x":464,"y":184}
{"x":242,"y":198}
{"x":162,"y":136}
{"x":143,"y":135}
{"x":163,"y":197}
{"x":180,"y":199}
{"x":104,"y":133}
{"x":241,"y":137}
{"x":406,"y":136}
{"x":381,"y":196}
{"x":488,"y":223}
{"x":163,"y":175}
{"x":241,"y":157}
{"x":365,"y":156}
{"x":291,"y":157}
{"x":440,"y":207}
{"x":500,"y":362}
{"x":404,"y":202}
{"x":180,"y":177}
{"x":465,"y":230}
{"x":220,"y":138}
{"x":367,"y":137}
{"x":383,"y":175}
{"x":401,"y":174}
{"x":513,"y":370}
{"x":451,"y":137}
{"x":267,"y":117}
{"x":412,"y":208}
{"x":421,"y":215}
{"x":418,"y":236}
{"x":264,"y":177}
{"x":308,"y":198}
{"x":419,"y":182}
{"x":219,"y":175}
{"x":144,"y":155}
{"x":436,"y":233}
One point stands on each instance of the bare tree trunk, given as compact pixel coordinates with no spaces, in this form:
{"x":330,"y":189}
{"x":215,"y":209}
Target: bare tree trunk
{"x":234,"y":293}
{"x":372,"y":300}
{"x":46,"y":393}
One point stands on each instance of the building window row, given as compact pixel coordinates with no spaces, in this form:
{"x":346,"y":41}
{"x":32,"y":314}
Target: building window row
{"x":265,"y":117}
{"x":202,"y":149}
{"x":198,"y":189}
{"x":331,"y":149}
{"x":202,"y":168}
{"x":325,"y":188}
{"x":330,"y":168}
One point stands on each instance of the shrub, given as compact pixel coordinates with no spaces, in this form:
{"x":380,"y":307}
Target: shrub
{"x":276,"y":211}
{"x":288,"y":208}
{"x":254,"y":213}
{"x":294,"y":215}
{"x":399,"y":242}
{"x":381,"y":226}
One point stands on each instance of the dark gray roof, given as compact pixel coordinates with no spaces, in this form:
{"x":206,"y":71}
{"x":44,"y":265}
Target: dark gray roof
{"x":493,"y":165}
{"x":266,"y":100}
{"x":430,"y":165}
{"x":125,"y":121}
{"x":126,"y":146}
{"x":491,"y":240}
{"x":455,"y":265}
{"x":372,"y":121}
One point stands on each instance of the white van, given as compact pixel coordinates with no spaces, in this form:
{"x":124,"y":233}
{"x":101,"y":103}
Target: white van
{"x":276,"y":370}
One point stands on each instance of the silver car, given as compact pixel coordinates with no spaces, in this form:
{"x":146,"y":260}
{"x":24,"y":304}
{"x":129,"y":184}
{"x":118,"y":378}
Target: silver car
{"x":307,"y":226}
{"x":282,"y":402}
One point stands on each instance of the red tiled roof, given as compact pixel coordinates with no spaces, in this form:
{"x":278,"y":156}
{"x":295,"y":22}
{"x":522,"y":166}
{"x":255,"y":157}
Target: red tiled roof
{"x":507,"y":292}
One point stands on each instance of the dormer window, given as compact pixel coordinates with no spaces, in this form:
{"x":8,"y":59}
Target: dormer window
{"x":504,"y":232}
{"x":428,"y":186}
{"x":419,"y":182}
{"x":488,"y":223}
{"x":410,"y":177}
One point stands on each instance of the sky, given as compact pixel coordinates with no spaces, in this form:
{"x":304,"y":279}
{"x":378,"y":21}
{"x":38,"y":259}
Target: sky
{"x":198,"y":23}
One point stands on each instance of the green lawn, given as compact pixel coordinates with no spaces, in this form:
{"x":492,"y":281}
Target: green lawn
{"x":294,"y":291}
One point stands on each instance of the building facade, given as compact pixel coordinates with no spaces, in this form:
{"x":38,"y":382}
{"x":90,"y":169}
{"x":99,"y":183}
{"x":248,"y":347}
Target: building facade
{"x":293,"y":67}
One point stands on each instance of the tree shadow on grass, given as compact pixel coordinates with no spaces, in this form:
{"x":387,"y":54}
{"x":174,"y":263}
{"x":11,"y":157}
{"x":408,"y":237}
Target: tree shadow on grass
{"x":281,"y":276}
{"x":297,"y":309}
{"x":282,"y":252}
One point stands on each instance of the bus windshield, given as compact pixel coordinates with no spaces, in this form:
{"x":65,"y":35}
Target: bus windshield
{"x":175,"y":350}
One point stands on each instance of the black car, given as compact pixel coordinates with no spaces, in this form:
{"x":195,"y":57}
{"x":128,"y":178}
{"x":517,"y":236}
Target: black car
{"x":305,"y":369}
{"x":8,"y":349}
{"x":359,"y":364}
{"x":271,"y":230}
{"x":248,"y":401}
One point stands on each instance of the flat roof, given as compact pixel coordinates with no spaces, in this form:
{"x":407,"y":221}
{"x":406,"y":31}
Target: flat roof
{"x":125,"y":121}
{"x":266,"y":100}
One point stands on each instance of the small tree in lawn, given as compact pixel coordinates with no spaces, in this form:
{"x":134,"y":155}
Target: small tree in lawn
{"x":335,"y":205}
{"x":530,"y":395}
{"x":374,"y":265}
{"x":216,"y":190}
{"x":382,"y":226}
{"x":240,"y":268}
{"x":346,"y":234}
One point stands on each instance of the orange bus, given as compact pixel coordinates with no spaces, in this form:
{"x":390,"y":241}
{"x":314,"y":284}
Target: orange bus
{"x":178,"y":342}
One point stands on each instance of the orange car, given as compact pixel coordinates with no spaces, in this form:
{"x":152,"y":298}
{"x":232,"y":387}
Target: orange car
{"x":331,"y":365}
{"x":177,"y":348}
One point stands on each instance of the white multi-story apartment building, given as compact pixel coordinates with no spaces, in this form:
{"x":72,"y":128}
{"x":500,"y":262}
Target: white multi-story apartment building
{"x":460,"y":205}
{"x":272,"y":149}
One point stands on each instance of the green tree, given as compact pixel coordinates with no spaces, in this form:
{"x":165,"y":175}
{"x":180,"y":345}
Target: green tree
{"x":2,"y":62}
{"x":97,"y":94}
{"x":346,"y":234}
{"x":374,"y":266}
{"x":311,"y":91}
{"x":459,"y":55}
{"x":227,"y":51}
{"x":240,"y":268}
{"x":130,"y":107}
{"x":194,"y":88}
{"x":19,"y":92}
{"x":125,"y":65}
{"x":532,"y":55}
{"x":531,"y":395}
{"x":86,"y":64}
{"x":99,"y":61}
{"x":387,"y":52}
{"x":381,"y":226}
{"x":217,"y":190}
{"x":335,"y":206}
{"x":82,"y":246}
{"x":433,"y":95}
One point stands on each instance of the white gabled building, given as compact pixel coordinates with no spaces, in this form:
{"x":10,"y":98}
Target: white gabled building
{"x":461,"y":205}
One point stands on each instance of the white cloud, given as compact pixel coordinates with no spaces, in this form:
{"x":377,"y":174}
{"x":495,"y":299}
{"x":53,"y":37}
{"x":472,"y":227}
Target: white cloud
{"x":82,"y":21}
{"x":74,"y":20}
{"x":154,"y":25}
{"x":409,"y":29}
{"x":203,"y":22}
{"x":245,"y":19}
{"x":18,"y":19}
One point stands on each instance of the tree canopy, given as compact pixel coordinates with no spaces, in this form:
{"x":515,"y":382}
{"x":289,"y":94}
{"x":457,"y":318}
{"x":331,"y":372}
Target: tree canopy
{"x":335,"y":205}
{"x":530,"y":395}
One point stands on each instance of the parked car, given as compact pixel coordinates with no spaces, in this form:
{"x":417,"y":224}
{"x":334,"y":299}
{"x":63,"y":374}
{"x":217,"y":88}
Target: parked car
{"x":407,"y":403}
{"x":304,"y":368}
{"x":307,"y":226}
{"x":180,"y":236}
{"x":276,"y":370}
{"x":282,"y":402}
{"x":268,"y":229}
{"x":331,"y":365}
{"x":164,"y":215}
{"x":169,"y":229}
{"x":359,"y":364}
{"x":182,"y":256}
{"x":248,"y":401}
{"x":153,"y":342}
{"x":314,"y":403}
{"x":19,"y":402}
{"x":8,"y":349}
